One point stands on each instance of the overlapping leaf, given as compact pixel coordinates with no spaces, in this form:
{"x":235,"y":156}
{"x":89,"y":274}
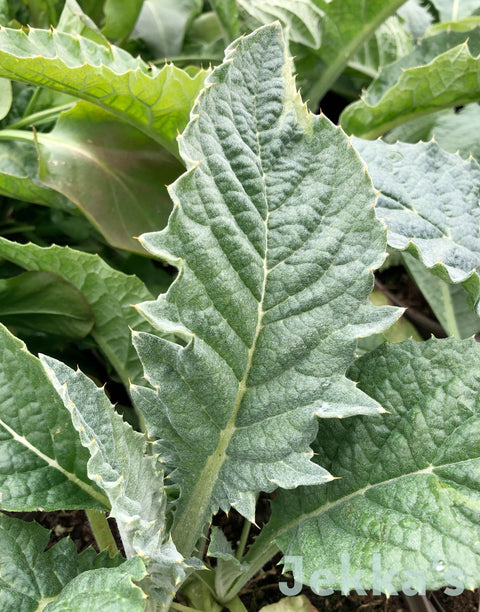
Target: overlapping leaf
{"x":442,"y":72}
{"x":59,"y":579}
{"x":113,"y":172}
{"x":132,"y":479}
{"x":42,"y":462}
{"x":429,"y":200}
{"x":407,"y":505}
{"x":155,"y":101}
{"x":275,"y":236}
{"x":109,"y":293}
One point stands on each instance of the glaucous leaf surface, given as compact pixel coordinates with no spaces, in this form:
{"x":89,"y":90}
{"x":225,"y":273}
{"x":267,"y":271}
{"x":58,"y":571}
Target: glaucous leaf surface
{"x":429,"y":201}
{"x":109,"y":293}
{"x":274,"y":234}
{"x":156,"y":101}
{"x":441,"y":72}
{"x":162,"y":24}
{"x":75,"y":21}
{"x":45,"y":302}
{"x":33,"y":579}
{"x":19,"y":176}
{"x":416,"y":18}
{"x":132,"y":479}
{"x":408,"y":496}
{"x":448,"y":302}
{"x":5,"y":97}
{"x":346,"y":26}
{"x":43,"y":464}
{"x":113,"y":172}
{"x":452,"y":10}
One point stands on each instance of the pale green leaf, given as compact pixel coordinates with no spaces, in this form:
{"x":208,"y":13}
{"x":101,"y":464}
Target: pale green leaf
{"x":448,"y":302}
{"x":346,"y":26}
{"x":113,"y":172}
{"x":19,"y":176}
{"x":120,"y":17}
{"x":416,"y":18}
{"x":162,"y":24}
{"x":156,"y":101}
{"x":32,"y":578}
{"x":45,"y":302}
{"x":74,"y":21}
{"x":132,"y":479}
{"x":227,"y":14}
{"x":109,"y":293}
{"x":408,"y":496}
{"x":300,"y":18}
{"x":429,"y":201}
{"x":463,"y":25}
{"x":441,"y":72}
{"x":275,"y":236}
{"x":43,"y":464}
{"x":452,"y":10}
{"x":290,"y":604}
{"x":5,"y":97}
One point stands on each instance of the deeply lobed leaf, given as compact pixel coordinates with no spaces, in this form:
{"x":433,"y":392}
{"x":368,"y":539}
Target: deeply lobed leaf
{"x":275,"y":237}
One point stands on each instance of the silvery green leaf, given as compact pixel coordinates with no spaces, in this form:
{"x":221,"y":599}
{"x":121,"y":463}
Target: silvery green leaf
{"x":274,"y":234}
{"x":408,"y":493}
{"x":132,"y":479}
{"x":429,"y":201}
{"x":42,"y":462}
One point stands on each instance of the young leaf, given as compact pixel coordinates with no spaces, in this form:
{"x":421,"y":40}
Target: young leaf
{"x":132,"y":480}
{"x":429,"y":201}
{"x":113,"y":172}
{"x":274,"y":233}
{"x":45,"y":302}
{"x":19,"y":176}
{"x":33,"y":579}
{"x":43,"y":463}
{"x":408,"y":496}
{"x":155,"y":101}
{"x":109,"y":293}
{"x":441,"y":72}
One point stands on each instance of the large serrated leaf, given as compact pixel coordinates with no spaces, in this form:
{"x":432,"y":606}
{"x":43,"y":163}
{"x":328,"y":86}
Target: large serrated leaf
{"x":132,"y":480}
{"x":109,"y":293}
{"x":42,"y":462}
{"x":33,"y":579}
{"x":113,"y":172}
{"x":429,"y":201}
{"x":441,"y":72}
{"x":274,"y":234}
{"x":409,"y":494}
{"x":155,"y":101}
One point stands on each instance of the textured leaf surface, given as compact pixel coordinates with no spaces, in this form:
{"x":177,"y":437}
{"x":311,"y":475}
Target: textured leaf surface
{"x":45,"y":302}
{"x":410,"y":480}
{"x":155,"y":101}
{"x":442,"y":72}
{"x":132,"y":480}
{"x":274,"y":233}
{"x":31,"y":577}
{"x":42,"y":462}
{"x":346,"y":26}
{"x":113,"y":172}
{"x":300,"y":18}
{"x":109,"y":293}
{"x":448,"y":302}
{"x":19,"y":176}
{"x":429,"y":201}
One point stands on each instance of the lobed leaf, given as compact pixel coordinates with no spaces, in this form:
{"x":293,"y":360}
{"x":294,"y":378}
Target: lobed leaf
{"x":33,"y":579}
{"x":275,"y":237}
{"x":116,"y":175}
{"x":154,"y":101}
{"x":132,"y":480}
{"x":109,"y":293}
{"x":429,"y":201}
{"x":42,"y":462}
{"x":441,"y":72}
{"x":406,"y":507}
